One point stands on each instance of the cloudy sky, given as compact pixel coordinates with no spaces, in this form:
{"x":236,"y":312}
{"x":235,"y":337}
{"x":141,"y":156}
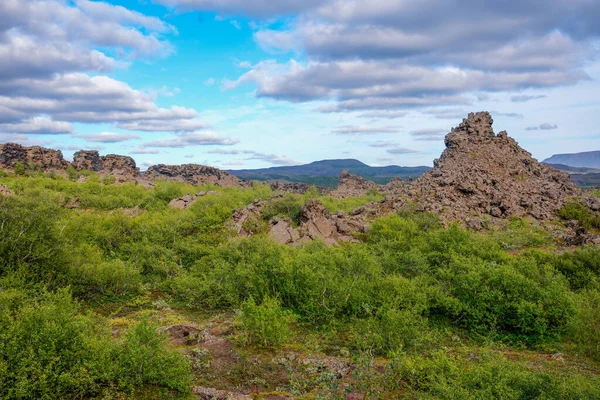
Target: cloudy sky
{"x":247,"y":84}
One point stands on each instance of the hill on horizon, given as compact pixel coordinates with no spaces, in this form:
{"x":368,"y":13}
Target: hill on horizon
{"x":327,"y":172}
{"x":587,"y":159}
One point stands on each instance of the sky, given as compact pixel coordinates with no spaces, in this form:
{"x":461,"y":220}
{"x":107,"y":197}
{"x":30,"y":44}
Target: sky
{"x":250,"y":84}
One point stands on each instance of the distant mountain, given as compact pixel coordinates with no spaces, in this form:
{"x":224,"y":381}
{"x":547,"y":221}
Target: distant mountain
{"x":327,"y":172}
{"x":588,"y":159}
{"x":574,"y":170}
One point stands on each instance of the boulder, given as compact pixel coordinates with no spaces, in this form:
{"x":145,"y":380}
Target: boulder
{"x":87,"y":160}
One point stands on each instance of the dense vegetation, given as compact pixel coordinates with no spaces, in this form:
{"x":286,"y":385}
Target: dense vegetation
{"x":420,"y":310}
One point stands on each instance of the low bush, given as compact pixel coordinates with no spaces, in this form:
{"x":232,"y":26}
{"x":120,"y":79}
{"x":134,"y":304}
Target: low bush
{"x":265,"y":324}
{"x":50,"y":350}
{"x":581,"y":213}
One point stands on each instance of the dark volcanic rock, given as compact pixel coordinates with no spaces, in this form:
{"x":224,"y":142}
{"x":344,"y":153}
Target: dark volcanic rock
{"x":88,"y":160}
{"x":194,"y":174}
{"x":122,"y":168}
{"x":11,"y":153}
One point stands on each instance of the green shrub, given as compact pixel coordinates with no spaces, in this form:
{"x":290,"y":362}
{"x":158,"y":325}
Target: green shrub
{"x":145,"y":360}
{"x":392,"y":331}
{"x":583,"y":329}
{"x":483,"y":374}
{"x":581,"y":213}
{"x":49,"y":350}
{"x":265,"y":324}
{"x":19,"y":168}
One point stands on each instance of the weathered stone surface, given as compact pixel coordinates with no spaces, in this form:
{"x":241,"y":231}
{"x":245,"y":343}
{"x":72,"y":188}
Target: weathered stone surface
{"x":283,"y":232}
{"x":11,"y":153}
{"x":4,"y":191}
{"x":88,"y":160}
{"x":194,"y":174}
{"x":122,"y":168}
{"x":353,"y":185}
{"x":245,"y":218}
{"x":188,"y":200}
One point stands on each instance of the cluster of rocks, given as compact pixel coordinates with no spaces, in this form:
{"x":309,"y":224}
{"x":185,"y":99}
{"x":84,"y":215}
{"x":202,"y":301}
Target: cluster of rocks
{"x":479,"y":176}
{"x":122,"y":168}
{"x":194,"y":174}
{"x":47,"y":159}
{"x":316,"y":223}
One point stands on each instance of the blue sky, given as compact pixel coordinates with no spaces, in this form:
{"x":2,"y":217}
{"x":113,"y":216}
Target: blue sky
{"x":239,"y":84}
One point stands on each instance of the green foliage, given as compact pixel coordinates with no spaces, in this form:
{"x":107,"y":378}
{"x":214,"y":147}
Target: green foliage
{"x":29,"y":242}
{"x":581,"y":213}
{"x":284,"y":207}
{"x":265,"y":324}
{"x":410,"y":288}
{"x":584,"y":329}
{"x":50,"y":350}
{"x":19,"y":168}
{"x":483,"y":375}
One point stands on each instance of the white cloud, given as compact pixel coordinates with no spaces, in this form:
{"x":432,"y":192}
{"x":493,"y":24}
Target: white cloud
{"x":108,"y":137}
{"x":193,"y":139}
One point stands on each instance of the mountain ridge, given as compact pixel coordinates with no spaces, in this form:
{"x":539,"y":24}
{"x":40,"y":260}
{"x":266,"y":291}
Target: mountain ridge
{"x":327,"y":172}
{"x":586,"y":159}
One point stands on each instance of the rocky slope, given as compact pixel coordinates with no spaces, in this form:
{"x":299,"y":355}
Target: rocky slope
{"x":486,"y":175}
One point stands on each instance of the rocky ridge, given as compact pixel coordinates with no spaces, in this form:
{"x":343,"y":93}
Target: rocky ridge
{"x":194,"y":174}
{"x":46,"y":159}
{"x":122,"y":168}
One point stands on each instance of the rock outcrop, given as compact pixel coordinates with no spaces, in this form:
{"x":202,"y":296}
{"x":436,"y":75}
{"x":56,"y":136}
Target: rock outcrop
{"x":46,"y":159}
{"x":316,"y":223}
{"x":481,"y":173}
{"x":88,"y":160}
{"x":122,"y":168}
{"x":485,"y":174}
{"x":353,"y":185}
{"x":193,"y":174}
